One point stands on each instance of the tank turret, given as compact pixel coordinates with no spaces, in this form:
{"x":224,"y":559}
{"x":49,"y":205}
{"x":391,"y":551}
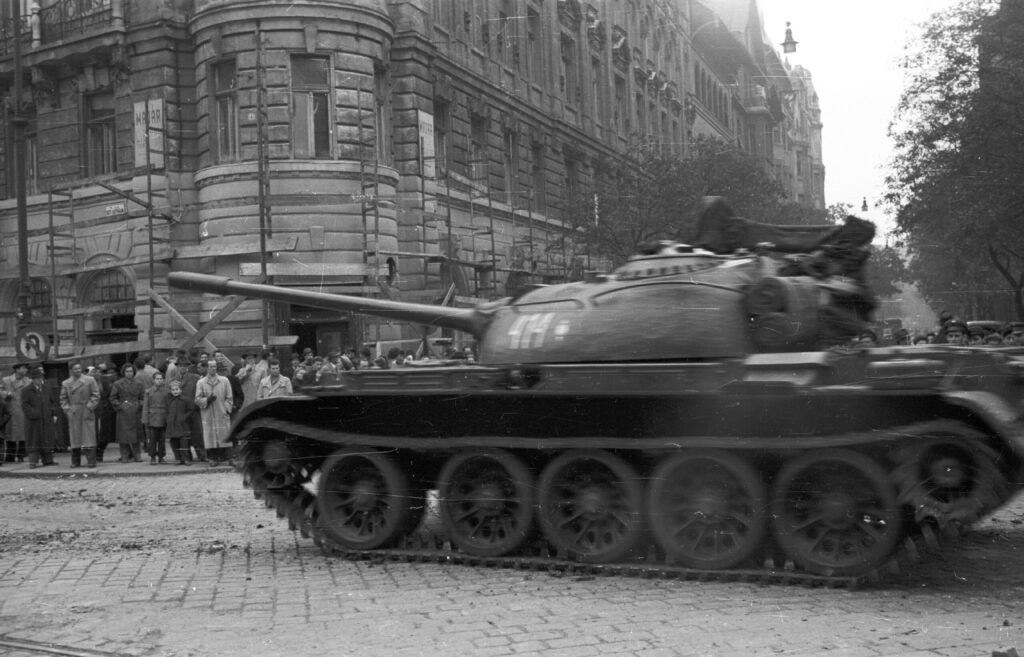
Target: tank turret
{"x":742,"y":288}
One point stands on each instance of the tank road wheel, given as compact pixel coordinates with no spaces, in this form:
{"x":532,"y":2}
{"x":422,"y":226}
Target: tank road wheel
{"x":950,"y":476}
{"x":486,"y":502}
{"x":273,"y":463}
{"x":362,"y":497}
{"x":707,"y":509}
{"x":590,"y":505}
{"x":835,"y":513}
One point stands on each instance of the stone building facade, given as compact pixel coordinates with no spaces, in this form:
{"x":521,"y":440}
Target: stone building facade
{"x":417,"y":150}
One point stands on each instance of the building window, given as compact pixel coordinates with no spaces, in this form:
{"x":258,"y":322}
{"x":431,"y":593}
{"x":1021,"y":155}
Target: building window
{"x":39,"y":298}
{"x":111,"y":287}
{"x":442,"y":131}
{"x":622,"y":123}
{"x":225,"y":111}
{"x":597,"y":72}
{"x":533,"y":38}
{"x":510,"y":162}
{"x":381,"y":116}
{"x":570,"y":81}
{"x":31,"y":160}
{"x":641,"y":123}
{"x":572,"y":177}
{"x":100,"y":140}
{"x":538,"y":176}
{"x":31,"y":164}
{"x":311,"y":116}
{"x":478,"y":149}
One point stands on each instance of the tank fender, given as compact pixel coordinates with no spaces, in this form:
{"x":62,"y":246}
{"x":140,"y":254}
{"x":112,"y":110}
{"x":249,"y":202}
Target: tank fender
{"x":258,"y":408}
{"x":1000,"y":415}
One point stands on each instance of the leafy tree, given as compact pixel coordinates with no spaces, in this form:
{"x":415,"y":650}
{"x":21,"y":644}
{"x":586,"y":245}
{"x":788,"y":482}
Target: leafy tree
{"x":648,"y":196}
{"x":957,"y":183}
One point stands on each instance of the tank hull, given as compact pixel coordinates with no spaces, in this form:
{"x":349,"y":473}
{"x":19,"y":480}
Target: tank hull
{"x":824,"y":466}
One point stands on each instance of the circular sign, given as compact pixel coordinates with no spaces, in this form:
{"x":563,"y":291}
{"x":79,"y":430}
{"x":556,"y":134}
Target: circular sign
{"x":32,"y":345}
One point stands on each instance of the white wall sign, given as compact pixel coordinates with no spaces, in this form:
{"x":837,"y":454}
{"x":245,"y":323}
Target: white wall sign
{"x":154,"y":108}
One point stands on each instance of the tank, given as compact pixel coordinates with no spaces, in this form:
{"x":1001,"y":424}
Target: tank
{"x":698,"y":411}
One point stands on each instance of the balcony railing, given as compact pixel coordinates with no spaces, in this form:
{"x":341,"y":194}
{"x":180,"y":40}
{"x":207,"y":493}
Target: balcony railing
{"x":755,"y":99}
{"x":7,"y":35}
{"x":66,"y":18}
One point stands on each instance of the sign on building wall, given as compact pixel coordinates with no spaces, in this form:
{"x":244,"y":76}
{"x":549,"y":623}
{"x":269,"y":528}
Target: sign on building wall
{"x":426,"y":129}
{"x":154,"y":110}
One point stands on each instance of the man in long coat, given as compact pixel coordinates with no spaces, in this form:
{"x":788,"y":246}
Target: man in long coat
{"x":126,"y":397}
{"x":12,"y":386}
{"x":79,"y":397}
{"x":40,"y":420}
{"x":215,"y":401}
{"x":189,"y":380}
{"x":106,"y":415}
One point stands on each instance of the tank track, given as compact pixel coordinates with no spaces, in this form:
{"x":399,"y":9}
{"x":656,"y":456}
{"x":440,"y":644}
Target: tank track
{"x":292,"y":499}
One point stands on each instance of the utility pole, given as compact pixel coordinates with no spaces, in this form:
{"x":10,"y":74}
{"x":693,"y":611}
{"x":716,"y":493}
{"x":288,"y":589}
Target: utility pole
{"x":19,"y":122}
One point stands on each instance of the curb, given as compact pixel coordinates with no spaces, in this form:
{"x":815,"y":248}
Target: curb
{"x":106,"y":469}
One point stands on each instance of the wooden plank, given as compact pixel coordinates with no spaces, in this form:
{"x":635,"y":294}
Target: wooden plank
{"x":161,"y":253}
{"x":316,"y":269}
{"x":236,"y":247}
{"x":102,"y":309}
{"x":275,"y":341}
{"x":436,"y":257}
{"x":233,"y":302}
{"x":176,"y":316}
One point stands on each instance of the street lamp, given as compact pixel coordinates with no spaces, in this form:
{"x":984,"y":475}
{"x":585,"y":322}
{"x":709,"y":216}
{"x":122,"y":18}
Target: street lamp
{"x":789,"y":45}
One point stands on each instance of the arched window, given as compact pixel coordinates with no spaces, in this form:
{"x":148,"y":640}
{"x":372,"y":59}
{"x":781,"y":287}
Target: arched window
{"x":40,"y":298}
{"x":110,"y":287}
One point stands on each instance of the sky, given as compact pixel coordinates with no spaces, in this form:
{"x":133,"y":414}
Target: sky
{"x":853,"y":51}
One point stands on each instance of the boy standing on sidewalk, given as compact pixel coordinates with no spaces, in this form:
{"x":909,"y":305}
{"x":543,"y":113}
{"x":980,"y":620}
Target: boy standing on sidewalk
{"x":154,"y":418}
{"x":180,"y":410}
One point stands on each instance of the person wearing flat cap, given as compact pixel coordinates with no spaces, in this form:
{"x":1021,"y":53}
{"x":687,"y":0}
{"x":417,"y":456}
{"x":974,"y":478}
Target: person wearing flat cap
{"x":955,"y":332}
{"x":40,"y":420}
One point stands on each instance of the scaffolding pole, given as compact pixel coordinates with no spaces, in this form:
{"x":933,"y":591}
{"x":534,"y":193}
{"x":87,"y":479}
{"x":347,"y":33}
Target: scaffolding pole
{"x":263,"y":179}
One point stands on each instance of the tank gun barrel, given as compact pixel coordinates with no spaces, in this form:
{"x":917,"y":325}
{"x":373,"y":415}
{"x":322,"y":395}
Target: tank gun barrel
{"x":461,"y":319}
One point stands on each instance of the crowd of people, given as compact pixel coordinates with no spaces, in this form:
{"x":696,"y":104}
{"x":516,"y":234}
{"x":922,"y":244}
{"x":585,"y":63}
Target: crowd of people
{"x":310,"y":369}
{"x":186,"y":402}
{"x":953,"y":331}
{"x":180,"y":410}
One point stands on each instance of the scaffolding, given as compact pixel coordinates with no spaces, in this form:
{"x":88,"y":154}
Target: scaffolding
{"x":64,"y":250}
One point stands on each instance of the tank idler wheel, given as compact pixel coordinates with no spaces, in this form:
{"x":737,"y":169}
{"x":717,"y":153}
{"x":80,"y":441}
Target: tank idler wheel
{"x":362,"y":499}
{"x":707,"y":509}
{"x":835,"y":514}
{"x":950,"y":477}
{"x":590,"y":505}
{"x":486,"y":502}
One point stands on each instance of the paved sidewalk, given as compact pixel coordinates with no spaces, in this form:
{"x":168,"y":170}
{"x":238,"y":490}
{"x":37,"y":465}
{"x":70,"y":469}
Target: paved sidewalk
{"x":108,"y":468}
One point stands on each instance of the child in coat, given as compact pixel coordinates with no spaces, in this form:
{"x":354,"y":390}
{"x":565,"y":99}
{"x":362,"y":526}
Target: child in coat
{"x":180,"y":410}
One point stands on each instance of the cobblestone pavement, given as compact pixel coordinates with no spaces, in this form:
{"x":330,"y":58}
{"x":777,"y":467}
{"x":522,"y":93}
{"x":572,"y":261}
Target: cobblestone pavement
{"x":196,"y":567}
